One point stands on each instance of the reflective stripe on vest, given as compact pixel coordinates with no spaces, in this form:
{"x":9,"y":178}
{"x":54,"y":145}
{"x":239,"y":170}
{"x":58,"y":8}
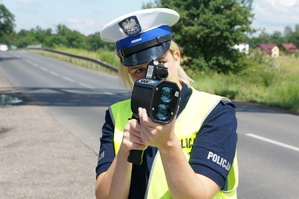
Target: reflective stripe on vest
{"x":120,"y":114}
{"x":187,"y":125}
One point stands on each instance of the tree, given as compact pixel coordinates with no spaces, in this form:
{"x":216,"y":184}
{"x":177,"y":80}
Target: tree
{"x":54,"y":41}
{"x":264,"y":37}
{"x":75,"y":39}
{"x":208,"y":29}
{"x":25,"y":38}
{"x":6,"y":24}
{"x":294,"y":38}
{"x":287,"y":31}
{"x":277,"y":38}
{"x":40,"y":34}
{"x":287,"y":36}
{"x":94,"y":43}
{"x":62,"y":30}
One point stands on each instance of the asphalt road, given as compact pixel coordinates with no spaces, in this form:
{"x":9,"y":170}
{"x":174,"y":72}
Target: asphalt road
{"x":75,"y":96}
{"x":268,"y":146}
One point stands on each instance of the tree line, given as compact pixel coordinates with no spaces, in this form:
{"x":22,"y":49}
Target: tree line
{"x":290,"y":35}
{"x":49,"y":38}
{"x":206,"y":31}
{"x":74,"y":39}
{"x":63,"y":36}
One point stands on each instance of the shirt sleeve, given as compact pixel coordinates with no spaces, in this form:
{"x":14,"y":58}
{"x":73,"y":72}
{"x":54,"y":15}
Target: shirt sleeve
{"x":215,"y":144}
{"x":106,"y":153}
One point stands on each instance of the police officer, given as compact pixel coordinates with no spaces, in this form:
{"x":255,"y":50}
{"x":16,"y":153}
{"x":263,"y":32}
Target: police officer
{"x":193,"y":156}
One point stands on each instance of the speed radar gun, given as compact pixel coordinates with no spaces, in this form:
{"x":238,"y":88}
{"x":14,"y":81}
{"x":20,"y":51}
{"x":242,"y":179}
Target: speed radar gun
{"x":158,"y":96}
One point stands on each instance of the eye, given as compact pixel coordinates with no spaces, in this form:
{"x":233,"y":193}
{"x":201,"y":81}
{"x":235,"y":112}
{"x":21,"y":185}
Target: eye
{"x":139,"y":70}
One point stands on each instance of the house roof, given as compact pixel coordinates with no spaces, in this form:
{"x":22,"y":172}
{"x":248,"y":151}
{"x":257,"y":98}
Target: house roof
{"x":289,"y":47}
{"x":267,"y":47}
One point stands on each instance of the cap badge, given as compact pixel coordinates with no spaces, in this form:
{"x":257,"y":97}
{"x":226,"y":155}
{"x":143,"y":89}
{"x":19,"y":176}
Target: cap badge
{"x":130,"y":26}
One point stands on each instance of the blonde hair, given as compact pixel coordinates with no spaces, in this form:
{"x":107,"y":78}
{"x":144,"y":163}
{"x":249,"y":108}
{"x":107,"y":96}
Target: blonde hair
{"x":126,"y":78}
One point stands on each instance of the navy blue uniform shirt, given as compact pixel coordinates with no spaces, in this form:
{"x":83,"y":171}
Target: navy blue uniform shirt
{"x":212,"y":153}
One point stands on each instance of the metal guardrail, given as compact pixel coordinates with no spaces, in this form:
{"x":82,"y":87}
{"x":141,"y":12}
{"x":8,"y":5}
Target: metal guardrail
{"x":107,"y":66}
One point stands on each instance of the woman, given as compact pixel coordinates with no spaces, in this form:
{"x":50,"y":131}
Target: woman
{"x":193,"y":156}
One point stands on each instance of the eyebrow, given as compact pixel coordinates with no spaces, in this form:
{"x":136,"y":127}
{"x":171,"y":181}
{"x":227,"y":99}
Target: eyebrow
{"x":134,"y":67}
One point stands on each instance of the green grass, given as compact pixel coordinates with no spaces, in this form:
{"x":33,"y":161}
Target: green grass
{"x":270,"y":81}
{"x":273,"y":81}
{"x":284,"y":91}
{"x":104,"y":55}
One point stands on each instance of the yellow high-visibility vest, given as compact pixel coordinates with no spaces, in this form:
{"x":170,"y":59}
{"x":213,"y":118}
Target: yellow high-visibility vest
{"x":187,"y":126}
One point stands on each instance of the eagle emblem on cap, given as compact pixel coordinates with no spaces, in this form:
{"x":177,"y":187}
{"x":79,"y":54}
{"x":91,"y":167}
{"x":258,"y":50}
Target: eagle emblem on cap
{"x":130,"y":26}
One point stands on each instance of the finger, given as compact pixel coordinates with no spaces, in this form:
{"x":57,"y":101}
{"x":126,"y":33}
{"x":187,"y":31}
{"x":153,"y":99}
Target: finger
{"x":132,"y":132}
{"x":132,"y":138}
{"x":135,"y":137}
{"x":134,"y":124}
{"x":144,"y":118}
{"x":141,"y":113}
{"x":131,"y":142}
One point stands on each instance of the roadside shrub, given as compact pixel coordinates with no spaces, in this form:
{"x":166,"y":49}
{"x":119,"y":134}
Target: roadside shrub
{"x":109,"y":57}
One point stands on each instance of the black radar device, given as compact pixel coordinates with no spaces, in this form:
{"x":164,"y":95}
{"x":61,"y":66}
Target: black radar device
{"x":158,"y":96}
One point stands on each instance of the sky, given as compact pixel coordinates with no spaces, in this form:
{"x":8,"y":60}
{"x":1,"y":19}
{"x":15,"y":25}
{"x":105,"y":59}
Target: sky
{"x":89,"y":16}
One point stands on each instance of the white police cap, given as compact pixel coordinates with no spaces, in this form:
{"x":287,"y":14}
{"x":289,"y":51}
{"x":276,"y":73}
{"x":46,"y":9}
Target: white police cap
{"x":141,"y":36}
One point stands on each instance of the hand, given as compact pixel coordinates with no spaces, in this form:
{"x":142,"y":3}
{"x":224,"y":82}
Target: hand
{"x":131,"y":137}
{"x":155,"y":134}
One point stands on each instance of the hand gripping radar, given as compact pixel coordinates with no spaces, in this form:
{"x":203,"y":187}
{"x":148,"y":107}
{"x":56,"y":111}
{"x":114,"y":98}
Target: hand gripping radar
{"x":158,"y":96}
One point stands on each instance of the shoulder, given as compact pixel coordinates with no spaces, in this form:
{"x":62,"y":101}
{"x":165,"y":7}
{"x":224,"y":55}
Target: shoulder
{"x":222,"y":109}
{"x":121,"y":104}
{"x":225,"y":105}
{"x":114,"y":109}
{"x":214,"y":102}
{"x":223,"y":101}
{"x":120,"y":112}
{"x":222,"y":116}
{"x":120,"y":107}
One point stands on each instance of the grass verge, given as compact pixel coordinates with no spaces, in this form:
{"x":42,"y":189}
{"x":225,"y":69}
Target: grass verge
{"x":270,"y":81}
{"x":274,"y":82}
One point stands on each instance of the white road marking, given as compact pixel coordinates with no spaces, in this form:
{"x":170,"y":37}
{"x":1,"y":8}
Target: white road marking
{"x":53,"y":73}
{"x":68,"y":79}
{"x":64,"y":77}
{"x":85,"y":85}
{"x":44,"y":69}
{"x":273,"y":142}
{"x":108,"y":93}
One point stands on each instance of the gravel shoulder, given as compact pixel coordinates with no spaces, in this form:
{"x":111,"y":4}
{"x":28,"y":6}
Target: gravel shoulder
{"x":39,"y":157}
